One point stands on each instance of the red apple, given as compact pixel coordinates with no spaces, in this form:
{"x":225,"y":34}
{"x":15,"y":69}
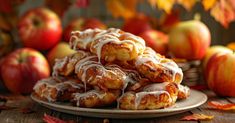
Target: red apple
{"x":22,"y":68}
{"x":82,"y":24}
{"x":156,"y":40}
{"x":211,"y":51}
{"x":59,"y":51}
{"x":220,"y":73}
{"x":137,"y":24}
{"x":40,"y":28}
{"x":189,"y":40}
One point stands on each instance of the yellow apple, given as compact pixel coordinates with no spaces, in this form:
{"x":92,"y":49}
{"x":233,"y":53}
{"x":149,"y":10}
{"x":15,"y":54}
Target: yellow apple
{"x":59,"y":51}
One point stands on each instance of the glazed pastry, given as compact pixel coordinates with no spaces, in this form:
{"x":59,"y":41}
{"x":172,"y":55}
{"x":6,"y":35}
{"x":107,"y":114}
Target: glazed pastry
{"x":184,"y":92}
{"x":92,"y":72}
{"x":95,"y":98}
{"x":153,"y":96}
{"x":111,"y":44}
{"x":65,"y":66}
{"x":157,"y":68}
{"x":57,"y":89}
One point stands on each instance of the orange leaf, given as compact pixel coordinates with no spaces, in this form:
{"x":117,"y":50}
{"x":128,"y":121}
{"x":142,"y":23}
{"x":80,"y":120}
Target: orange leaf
{"x":207,"y":4}
{"x":223,"y":12}
{"x":221,"y":106}
{"x":122,"y":8}
{"x":197,"y":117}
{"x":165,"y":5}
{"x":187,"y":4}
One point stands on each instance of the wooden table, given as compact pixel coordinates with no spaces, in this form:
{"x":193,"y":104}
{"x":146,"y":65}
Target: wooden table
{"x":16,"y":116}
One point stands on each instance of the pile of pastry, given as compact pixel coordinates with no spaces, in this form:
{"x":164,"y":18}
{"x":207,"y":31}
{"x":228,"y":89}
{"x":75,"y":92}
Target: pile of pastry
{"x":113,"y":68}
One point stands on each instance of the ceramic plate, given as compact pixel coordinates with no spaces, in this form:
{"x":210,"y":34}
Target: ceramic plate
{"x":195,"y":99}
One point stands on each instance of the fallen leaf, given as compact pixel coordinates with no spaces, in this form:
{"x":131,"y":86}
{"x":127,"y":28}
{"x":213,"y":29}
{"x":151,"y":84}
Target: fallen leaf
{"x":221,"y":106}
{"x":106,"y":121}
{"x":165,"y":5}
{"x":51,"y":119}
{"x":187,"y":4}
{"x":122,"y":8}
{"x":223,"y":12}
{"x":197,"y":117}
{"x":5,"y":107}
{"x":208,"y":4}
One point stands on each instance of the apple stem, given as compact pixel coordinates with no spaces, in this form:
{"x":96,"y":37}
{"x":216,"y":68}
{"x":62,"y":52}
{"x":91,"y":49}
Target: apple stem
{"x":197,"y":17}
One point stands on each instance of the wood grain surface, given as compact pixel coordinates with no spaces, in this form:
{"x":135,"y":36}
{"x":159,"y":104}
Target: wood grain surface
{"x":19,"y":102}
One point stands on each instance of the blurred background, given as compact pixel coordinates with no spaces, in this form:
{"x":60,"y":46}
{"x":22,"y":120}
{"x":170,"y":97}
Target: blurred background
{"x":135,"y":16}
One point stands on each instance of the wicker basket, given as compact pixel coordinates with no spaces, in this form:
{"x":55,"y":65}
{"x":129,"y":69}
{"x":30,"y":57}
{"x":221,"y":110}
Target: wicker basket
{"x":192,"y":72}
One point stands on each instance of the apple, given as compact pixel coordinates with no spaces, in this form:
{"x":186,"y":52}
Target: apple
{"x":231,"y":45}
{"x":156,"y":40}
{"x":189,"y":40}
{"x":220,"y":73}
{"x":22,"y":68}
{"x":137,"y":24}
{"x":211,"y":51}
{"x":40,"y":28}
{"x":82,"y":24}
{"x":59,"y":51}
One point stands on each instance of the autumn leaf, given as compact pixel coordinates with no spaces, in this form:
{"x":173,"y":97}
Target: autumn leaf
{"x":208,"y":4}
{"x":5,"y":107}
{"x":221,"y":106}
{"x":165,"y":5}
{"x":223,"y":12}
{"x":122,"y":8}
{"x":187,"y":4}
{"x":58,"y":6}
{"x":197,"y":117}
{"x":167,"y":21}
{"x":51,"y":119}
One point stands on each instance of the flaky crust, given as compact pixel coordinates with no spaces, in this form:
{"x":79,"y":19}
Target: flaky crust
{"x":57,"y":89}
{"x":184,"y":92}
{"x":92,"y":72}
{"x":95,"y":98}
{"x":65,"y":66}
{"x":110,"y":45}
{"x":157,"y":68}
{"x":153,"y":96}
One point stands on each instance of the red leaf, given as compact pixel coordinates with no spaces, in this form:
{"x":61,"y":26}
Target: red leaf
{"x":27,"y":110}
{"x":51,"y":119}
{"x":197,"y":117}
{"x":221,"y":106}
{"x":4,"y":107}
{"x":224,"y":12}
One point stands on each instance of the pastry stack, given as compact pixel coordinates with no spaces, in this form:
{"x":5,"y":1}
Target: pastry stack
{"x":113,"y":68}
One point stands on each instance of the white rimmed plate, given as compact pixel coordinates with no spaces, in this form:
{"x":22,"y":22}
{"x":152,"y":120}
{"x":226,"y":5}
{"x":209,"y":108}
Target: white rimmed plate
{"x":194,"y":100}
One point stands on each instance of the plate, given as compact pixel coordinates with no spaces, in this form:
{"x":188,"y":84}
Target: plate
{"x":194,"y":100}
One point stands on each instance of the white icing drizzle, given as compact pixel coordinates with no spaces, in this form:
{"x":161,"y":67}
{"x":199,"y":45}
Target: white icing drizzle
{"x":152,"y":56}
{"x":155,"y":89}
{"x":79,"y":96}
{"x":139,"y":96}
{"x":58,"y":84}
{"x":60,"y":64}
{"x":98,"y":38}
{"x":183,"y":89}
